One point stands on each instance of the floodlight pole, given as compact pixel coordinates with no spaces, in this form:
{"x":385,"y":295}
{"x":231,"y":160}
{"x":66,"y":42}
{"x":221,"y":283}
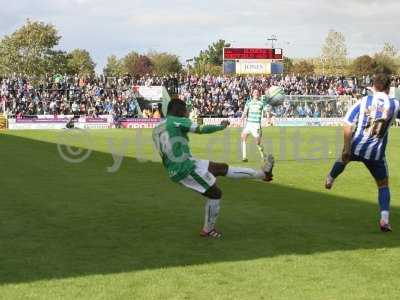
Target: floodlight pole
{"x":272,"y":39}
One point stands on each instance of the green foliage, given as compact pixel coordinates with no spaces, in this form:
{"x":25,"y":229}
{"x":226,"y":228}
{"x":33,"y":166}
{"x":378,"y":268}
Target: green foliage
{"x":334,"y":53}
{"x":29,"y":50}
{"x":57,"y":62}
{"x":207,"y":60}
{"x":389,"y":50}
{"x":114,"y":67}
{"x":137,"y":64}
{"x":363,"y":65}
{"x":385,"y":64}
{"x":382,"y":62}
{"x":80,"y":62}
{"x":129,"y":62}
{"x":287,"y":65}
{"x":207,"y":69}
{"x":387,"y":60}
{"x":165,"y":63}
{"x":303,"y":67}
{"x":215,"y":52}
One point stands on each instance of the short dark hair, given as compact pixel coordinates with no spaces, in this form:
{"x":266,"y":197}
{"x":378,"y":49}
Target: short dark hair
{"x":176,"y":108}
{"x":382,"y":82}
{"x":255,"y":88}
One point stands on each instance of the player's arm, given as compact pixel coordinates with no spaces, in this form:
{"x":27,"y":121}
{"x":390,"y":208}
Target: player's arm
{"x":206,"y":129}
{"x":349,"y":120}
{"x":186,"y":125}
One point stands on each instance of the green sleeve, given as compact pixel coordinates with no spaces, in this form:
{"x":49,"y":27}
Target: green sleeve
{"x":265,"y":99}
{"x":184,"y":123}
{"x":204,"y":129}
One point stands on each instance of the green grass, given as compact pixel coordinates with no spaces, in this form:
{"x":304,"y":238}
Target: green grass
{"x":77,"y":231}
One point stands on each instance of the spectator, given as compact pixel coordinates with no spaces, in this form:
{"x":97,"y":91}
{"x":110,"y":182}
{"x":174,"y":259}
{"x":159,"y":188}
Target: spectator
{"x":211,"y":96}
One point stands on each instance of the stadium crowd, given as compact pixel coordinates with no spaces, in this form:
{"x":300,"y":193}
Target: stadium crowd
{"x":218,"y":96}
{"x":63,"y":95}
{"x":307,"y":96}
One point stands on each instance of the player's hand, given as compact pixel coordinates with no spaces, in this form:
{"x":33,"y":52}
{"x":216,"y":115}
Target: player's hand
{"x":225,"y":123}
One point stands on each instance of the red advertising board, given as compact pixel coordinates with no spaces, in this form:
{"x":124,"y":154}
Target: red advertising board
{"x":253,"y":53}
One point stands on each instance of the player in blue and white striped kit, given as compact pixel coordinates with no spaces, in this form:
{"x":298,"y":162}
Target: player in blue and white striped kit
{"x":366,"y":131}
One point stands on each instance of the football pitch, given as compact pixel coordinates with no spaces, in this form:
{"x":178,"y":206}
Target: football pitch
{"x":108,"y":224}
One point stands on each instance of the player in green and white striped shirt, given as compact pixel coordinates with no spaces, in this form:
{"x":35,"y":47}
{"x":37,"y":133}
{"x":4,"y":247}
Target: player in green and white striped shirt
{"x":252,"y":118}
{"x":172,"y":141}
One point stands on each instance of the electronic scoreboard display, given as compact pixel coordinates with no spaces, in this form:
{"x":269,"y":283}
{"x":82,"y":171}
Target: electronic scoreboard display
{"x":252,"y":53}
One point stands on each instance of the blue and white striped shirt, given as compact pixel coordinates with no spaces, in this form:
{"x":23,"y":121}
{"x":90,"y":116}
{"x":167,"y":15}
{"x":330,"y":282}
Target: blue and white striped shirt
{"x":372,"y":117}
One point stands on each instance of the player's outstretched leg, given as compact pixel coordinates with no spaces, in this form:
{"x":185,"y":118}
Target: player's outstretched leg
{"x":222,"y":169}
{"x":214,"y":194}
{"x":337,"y":169}
{"x":212,"y":206}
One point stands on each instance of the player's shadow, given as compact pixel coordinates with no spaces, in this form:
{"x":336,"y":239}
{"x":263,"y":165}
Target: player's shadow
{"x":60,"y":220}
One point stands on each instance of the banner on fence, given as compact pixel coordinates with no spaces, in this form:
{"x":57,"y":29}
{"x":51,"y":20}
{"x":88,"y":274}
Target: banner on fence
{"x":138,"y":123}
{"x":284,"y":122}
{"x":60,"y":122}
{"x":104,"y":122}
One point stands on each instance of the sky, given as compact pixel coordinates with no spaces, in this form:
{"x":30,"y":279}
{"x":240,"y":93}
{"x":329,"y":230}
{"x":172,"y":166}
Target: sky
{"x":105,"y":27}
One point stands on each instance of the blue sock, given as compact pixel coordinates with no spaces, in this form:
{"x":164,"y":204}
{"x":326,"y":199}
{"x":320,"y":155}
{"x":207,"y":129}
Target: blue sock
{"x":384,"y":198}
{"x":337,"y":169}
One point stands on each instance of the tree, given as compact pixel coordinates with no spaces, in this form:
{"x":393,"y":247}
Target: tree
{"x":136,"y":64}
{"x":389,"y":50}
{"x":385,"y":64}
{"x":303,"y":68}
{"x":57,"y":62}
{"x":213,"y":56}
{"x":80,"y":62}
{"x":334,"y":53}
{"x":114,"y":67}
{"x":165,"y":63}
{"x":129,"y":62}
{"x":388,"y":60}
{"x":29,"y":49}
{"x":215,"y":52}
{"x":287,"y":65}
{"x":205,"y":69}
{"x":363,"y":65}
{"x":144,"y":66}
{"x":380,"y":63}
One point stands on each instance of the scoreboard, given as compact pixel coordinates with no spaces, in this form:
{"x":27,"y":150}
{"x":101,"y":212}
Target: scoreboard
{"x":252,"y":53}
{"x":253,"y":61}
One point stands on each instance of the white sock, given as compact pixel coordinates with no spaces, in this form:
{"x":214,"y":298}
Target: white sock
{"x":329,"y":178}
{"x":212,"y":207}
{"x":239,"y":173}
{"x":244,"y":150}
{"x":385,"y":216}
